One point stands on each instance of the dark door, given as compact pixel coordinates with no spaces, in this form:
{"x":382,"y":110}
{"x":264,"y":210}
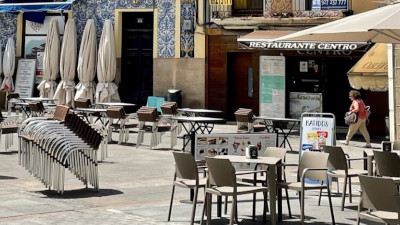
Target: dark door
{"x":137,"y":57}
{"x":239,"y":93}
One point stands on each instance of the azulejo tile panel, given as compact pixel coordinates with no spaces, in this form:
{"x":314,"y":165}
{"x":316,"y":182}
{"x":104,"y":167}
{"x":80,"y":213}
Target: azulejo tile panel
{"x":187,"y":28}
{"x":8,"y":28}
{"x":166,"y":28}
{"x":101,"y":10}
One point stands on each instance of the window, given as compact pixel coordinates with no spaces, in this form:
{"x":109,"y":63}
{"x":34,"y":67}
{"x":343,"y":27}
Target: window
{"x":247,"y":8}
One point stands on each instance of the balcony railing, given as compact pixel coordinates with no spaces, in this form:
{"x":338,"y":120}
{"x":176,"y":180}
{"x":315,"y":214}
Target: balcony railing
{"x":291,"y":8}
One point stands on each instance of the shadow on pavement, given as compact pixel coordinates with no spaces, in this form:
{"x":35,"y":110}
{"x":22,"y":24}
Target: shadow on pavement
{"x":80,"y":193}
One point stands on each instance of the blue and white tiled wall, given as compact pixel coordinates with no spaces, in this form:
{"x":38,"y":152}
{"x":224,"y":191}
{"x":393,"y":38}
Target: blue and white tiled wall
{"x":101,"y":10}
{"x":8,"y":28}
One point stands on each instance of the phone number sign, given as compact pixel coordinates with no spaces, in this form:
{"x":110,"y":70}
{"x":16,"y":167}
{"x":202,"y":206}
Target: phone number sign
{"x":329,"y":4}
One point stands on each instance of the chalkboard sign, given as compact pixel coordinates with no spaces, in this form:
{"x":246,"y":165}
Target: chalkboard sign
{"x":25,"y":77}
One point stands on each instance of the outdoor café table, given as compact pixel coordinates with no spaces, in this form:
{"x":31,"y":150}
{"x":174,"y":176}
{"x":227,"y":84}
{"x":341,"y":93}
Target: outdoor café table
{"x":107,"y":104}
{"x":197,"y":125}
{"x":198,"y":112}
{"x":86,"y":112}
{"x":30,"y":99}
{"x":280,"y":124}
{"x":369,"y":154}
{"x":25,"y":106}
{"x":274,"y":173}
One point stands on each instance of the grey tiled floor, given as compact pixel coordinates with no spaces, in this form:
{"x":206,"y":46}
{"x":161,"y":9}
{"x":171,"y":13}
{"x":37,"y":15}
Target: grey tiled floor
{"x":135,"y":188}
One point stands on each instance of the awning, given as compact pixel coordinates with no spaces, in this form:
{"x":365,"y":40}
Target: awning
{"x":260,"y":36}
{"x":36,"y":6}
{"x":370,"y":72}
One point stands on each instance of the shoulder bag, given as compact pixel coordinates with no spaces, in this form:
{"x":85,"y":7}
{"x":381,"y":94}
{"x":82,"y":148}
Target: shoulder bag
{"x":350,"y":118}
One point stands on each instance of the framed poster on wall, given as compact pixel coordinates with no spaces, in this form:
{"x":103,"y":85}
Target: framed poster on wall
{"x":272,"y":86}
{"x":300,"y":102}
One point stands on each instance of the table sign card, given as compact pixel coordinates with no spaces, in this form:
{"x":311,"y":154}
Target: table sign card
{"x":231,"y":144}
{"x":25,"y":77}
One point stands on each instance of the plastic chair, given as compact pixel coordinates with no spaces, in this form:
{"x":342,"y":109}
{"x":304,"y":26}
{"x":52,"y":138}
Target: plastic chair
{"x":339,"y":165}
{"x":246,"y":123}
{"x":222,"y":182}
{"x":122,"y":124}
{"x":186,"y":176}
{"x":380,"y":199}
{"x":388,"y":164}
{"x":11,"y":98}
{"x":313,"y":165}
{"x":256,"y":177}
{"x":82,"y":103}
{"x":156,"y":102}
{"x":149,"y":122}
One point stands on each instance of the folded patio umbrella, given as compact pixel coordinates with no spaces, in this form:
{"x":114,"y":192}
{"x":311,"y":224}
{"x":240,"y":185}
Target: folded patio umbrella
{"x":8,"y":66}
{"x":106,"y":90}
{"x":51,"y":61}
{"x":66,"y":88}
{"x":87,"y":62}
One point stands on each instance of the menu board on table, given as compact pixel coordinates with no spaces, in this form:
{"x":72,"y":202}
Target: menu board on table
{"x":272,"y":86}
{"x":231,"y":144}
{"x":25,"y":77}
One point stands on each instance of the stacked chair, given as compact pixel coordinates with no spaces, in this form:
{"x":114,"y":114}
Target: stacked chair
{"x":122,"y":124}
{"x":246,"y":122}
{"x":49,"y":146}
{"x":171,"y":109}
{"x":11,"y":98}
{"x":8,"y":126}
{"x":150,"y":122}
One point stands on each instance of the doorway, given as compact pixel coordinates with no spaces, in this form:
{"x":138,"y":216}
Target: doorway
{"x":137,"y":57}
{"x":239,"y":79}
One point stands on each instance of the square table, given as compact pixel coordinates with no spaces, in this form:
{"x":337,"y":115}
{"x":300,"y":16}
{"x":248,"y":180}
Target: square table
{"x":274,"y":173}
{"x":279,"y":124}
{"x":196,"y":125}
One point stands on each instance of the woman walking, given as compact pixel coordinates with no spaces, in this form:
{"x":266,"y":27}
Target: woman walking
{"x":358,"y":106}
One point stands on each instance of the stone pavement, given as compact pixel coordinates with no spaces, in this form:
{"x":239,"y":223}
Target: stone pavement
{"x":135,"y":188}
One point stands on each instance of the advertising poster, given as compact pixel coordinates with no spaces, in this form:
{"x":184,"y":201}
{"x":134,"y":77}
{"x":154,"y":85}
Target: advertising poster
{"x":231,"y":144}
{"x":25,"y":77}
{"x":300,"y":102}
{"x":272,"y":86}
{"x":317,"y":132}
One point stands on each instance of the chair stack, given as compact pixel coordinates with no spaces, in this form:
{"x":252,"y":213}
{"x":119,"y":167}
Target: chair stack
{"x":122,"y":124}
{"x":246,"y":123}
{"x":171,"y":109}
{"x":50,"y":146}
{"x":149,"y":122}
{"x":82,"y":103}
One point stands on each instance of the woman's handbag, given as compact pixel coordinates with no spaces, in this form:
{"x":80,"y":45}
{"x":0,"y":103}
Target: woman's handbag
{"x":350,"y":118}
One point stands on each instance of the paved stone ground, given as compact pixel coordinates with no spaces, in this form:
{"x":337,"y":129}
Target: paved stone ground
{"x":135,"y":188}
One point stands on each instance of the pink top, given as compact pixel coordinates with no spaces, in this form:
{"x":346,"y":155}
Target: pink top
{"x":362,"y":112}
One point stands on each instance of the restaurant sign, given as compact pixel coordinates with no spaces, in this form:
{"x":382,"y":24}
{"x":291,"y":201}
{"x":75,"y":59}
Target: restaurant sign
{"x":300,"y":45}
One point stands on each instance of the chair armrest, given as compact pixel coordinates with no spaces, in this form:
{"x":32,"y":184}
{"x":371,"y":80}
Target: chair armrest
{"x":310,"y":170}
{"x":245,"y":172}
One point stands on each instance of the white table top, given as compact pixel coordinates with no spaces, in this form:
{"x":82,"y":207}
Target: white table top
{"x":37,"y":99}
{"x":189,"y":110}
{"x":115,"y":104}
{"x":243,"y":159}
{"x":197,"y":119}
{"x":278,"y":119}
{"x":90,"y":110}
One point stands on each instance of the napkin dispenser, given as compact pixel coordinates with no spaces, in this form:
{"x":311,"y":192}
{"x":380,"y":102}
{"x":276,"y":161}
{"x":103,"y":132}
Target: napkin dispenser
{"x":252,"y":152}
{"x":386,"y":146}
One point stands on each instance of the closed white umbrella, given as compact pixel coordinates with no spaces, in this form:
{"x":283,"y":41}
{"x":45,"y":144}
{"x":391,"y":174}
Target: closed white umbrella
{"x":8,"y":66}
{"x":51,"y":61}
{"x":1,"y":61}
{"x":381,"y":25}
{"x":87,"y":62}
{"x":106,"y":90}
{"x":66,"y":88}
